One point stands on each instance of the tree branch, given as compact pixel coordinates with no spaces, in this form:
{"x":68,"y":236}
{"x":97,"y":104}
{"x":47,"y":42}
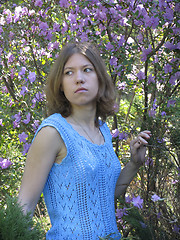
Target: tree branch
{"x":9,"y":89}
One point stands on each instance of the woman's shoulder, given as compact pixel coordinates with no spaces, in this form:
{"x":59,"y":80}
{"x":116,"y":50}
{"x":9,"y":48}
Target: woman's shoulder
{"x":105,"y":129}
{"x":54,"y":117}
{"x":49,"y":125}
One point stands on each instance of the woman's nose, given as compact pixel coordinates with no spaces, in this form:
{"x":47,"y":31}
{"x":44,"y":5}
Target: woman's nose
{"x":79,"y":77}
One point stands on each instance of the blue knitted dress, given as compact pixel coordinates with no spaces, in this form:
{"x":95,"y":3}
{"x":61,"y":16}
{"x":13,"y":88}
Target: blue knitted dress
{"x":79,"y":192}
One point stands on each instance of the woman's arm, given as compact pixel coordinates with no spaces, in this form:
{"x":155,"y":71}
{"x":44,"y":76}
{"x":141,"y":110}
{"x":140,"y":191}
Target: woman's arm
{"x":41,"y":156}
{"x":138,"y":151}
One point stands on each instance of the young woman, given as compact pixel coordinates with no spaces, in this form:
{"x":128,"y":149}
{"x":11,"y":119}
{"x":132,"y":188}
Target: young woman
{"x":71,"y":158}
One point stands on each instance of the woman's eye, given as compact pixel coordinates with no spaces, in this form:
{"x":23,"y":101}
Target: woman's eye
{"x":88,"y":69}
{"x":68,"y":73}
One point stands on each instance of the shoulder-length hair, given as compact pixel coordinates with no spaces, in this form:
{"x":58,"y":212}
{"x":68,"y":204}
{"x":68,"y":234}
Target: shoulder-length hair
{"x":56,"y":100}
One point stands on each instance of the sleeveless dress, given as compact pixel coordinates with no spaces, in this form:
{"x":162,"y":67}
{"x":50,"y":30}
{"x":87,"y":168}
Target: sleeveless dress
{"x":79,"y":192}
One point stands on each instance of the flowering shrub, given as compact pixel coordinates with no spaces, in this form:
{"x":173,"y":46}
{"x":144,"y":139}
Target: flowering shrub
{"x":139,"y":41}
{"x":5,"y":163}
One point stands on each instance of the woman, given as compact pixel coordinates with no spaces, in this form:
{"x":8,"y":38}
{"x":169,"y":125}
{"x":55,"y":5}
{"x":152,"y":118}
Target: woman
{"x":71,"y":158}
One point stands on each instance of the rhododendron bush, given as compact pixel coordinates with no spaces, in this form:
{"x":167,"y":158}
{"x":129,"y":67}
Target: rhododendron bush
{"x":139,"y":41}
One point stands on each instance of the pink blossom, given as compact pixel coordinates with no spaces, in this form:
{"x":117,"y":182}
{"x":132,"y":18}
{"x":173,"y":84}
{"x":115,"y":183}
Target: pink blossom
{"x":5,"y":163}
{"x":160,"y":140}
{"x":121,"y":85}
{"x":1,"y":124}
{"x":171,"y":102}
{"x":128,"y":199}
{"x":123,"y":135}
{"x":4,"y":89}
{"x":72,"y":18}
{"x":109,"y":46}
{"x":114,"y":13}
{"x":64,"y":3}
{"x":124,"y":22}
{"x":170,"y":45}
{"x":22,"y":72}
{"x":28,"y":118}
{"x":26,"y":147}
{"x":176,"y":228}
{"x":35,"y":124}
{"x":10,"y":58}
{"x":140,"y":37}
{"x":43,"y":26}
{"x":121,"y":41}
{"x":100,"y":14}
{"x":151,"y":79}
{"x":149,"y":162}
{"x":152,"y":113}
{"x":17,"y":117}
{"x":32,"y":77}
{"x":50,"y":46}
{"x":154,"y":104}
{"x":49,"y":35}
{"x":24,"y":90}
{"x":115,"y":133}
{"x":155,"y":198}
{"x":163,"y":113}
{"x":22,"y":137}
{"x":1,"y":29}
{"x":137,"y":201}
{"x":116,"y":107}
{"x":56,"y":27}
{"x":9,"y":17}
{"x":146,"y":52}
{"x":113,"y":61}
{"x":65,"y":28}
{"x":174,"y":77}
{"x":39,"y":96}
{"x":16,"y":124}
{"x":162,"y":4}
{"x":34,"y":102}
{"x":17,"y":14}
{"x":121,"y":212}
{"x":31,"y":13}
{"x":38,"y":3}
{"x":56,"y":45}
{"x":151,"y":21}
{"x":175,"y":181}
{"x":24,"y":11}
{"x":155,"y":59}
{"x":141,"y":75}
{"x":167,"y":68}
{"x":86,"y":11}
{"x":169,"y":14}
{"x":172,"y":80}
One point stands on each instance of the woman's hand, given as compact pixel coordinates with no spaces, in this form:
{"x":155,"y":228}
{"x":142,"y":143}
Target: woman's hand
{"x":138,"y":147}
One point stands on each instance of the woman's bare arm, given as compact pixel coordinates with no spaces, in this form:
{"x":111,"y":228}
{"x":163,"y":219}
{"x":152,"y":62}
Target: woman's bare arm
{"x":138,"y":151}
{"x":41,"y":156}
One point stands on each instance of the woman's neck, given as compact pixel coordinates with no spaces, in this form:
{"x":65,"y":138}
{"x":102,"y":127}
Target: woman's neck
{"x":85,"y":116}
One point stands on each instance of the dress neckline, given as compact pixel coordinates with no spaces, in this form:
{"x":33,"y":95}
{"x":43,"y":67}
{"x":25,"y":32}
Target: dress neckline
{"x":84,"y":138}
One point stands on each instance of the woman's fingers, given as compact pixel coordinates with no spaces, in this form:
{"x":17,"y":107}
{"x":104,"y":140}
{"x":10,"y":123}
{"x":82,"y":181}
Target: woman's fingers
{"x":145,"y":134}
{"x":142,"y":138}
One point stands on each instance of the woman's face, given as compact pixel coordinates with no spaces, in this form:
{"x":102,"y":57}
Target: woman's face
{"x":80,"y":82}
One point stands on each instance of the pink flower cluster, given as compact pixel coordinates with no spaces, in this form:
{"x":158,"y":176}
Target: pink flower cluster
{"x":5,"y":163}
{"x":122,"y":135}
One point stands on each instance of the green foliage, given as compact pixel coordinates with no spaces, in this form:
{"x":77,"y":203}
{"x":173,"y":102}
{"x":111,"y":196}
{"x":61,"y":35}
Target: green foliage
{"x":121,"y":31}
{"x":136,"y":222}
{"x":15,"y":225}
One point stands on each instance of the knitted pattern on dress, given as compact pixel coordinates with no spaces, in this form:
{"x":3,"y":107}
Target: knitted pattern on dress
{"x":79,"y":192}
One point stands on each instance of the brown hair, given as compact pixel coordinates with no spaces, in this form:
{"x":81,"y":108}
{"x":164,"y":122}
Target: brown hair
{"x":56,"y":100}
